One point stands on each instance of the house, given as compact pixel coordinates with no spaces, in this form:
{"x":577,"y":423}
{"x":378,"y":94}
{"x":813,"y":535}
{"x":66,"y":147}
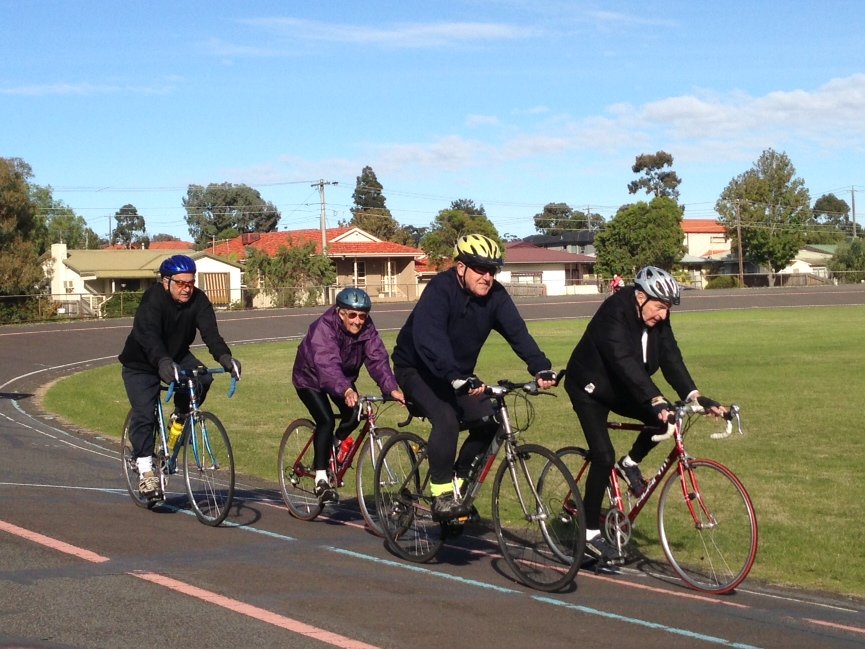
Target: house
{"x":386,"y":270}
{"x":533,"y":270}
{"x":809,"y":266}
{"x":581,"y":242}
{"x":84,"y":280}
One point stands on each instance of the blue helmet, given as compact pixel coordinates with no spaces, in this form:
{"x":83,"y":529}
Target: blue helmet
{"x":354,"y":298}
{"x":175,"y":265}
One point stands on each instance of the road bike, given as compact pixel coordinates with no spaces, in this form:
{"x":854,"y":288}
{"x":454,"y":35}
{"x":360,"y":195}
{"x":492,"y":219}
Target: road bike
{"x":707,"y":526}
{"x":297,"y":470}
{"x":202,"y":454}
{"x":538,"y":537}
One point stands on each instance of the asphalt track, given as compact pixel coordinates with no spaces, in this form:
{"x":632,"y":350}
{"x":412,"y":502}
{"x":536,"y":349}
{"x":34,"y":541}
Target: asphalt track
{"x":80,"y":566}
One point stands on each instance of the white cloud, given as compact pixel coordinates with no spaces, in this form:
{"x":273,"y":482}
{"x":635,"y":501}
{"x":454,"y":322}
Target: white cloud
{"x":473,"y":121}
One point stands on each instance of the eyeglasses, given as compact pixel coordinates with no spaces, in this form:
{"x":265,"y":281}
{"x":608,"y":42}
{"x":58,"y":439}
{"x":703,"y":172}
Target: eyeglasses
{"x":356,"y":315}
{"x":181,"y":284}
{"x":485,"y":270}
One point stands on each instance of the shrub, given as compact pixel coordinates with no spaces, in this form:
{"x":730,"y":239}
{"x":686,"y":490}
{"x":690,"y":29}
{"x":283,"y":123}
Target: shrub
{"x":723,"y":281}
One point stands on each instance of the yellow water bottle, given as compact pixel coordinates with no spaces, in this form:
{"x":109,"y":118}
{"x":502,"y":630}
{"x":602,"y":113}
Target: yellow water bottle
{"x":174,"y":433}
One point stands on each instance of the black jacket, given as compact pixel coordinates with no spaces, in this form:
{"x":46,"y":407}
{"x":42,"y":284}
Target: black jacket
{"x":162,"y":328}
{"x":447,"y":328}
{"x":608,"y":364}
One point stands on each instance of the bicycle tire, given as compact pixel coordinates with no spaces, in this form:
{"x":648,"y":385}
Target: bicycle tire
{"x":297,"y":470}
{"x":613,"y":523}
{"x":208,"y":467}
{"x":130,"y":467}
{"x":717,"y":557}
{"x":530,"y":515}
{"x":365,"y":476}
{"x":403,"y":499}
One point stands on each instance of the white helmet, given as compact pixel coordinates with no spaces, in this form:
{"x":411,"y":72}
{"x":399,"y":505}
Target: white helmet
{"x":658,"y":285}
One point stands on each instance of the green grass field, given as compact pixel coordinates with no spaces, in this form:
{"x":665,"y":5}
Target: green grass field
{"x":796,"y":373}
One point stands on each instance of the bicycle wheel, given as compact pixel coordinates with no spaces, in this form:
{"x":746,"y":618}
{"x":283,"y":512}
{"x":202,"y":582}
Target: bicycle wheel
{"x":365,"y":476}
{"x":403,"y":499}
{"x":613,"y":523}
{"x":541,"y":527}
{"x":208,"y":463}
{"x":130,"y":466}
{"x":297,"y":470}
{"x":707,"y":527}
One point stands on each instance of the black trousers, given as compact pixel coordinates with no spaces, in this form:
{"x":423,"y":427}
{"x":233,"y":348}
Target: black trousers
{"x":322,"y":414}
{"x":448,"y":413}
{"x":593,"y":418}
{"x":142,"y":390}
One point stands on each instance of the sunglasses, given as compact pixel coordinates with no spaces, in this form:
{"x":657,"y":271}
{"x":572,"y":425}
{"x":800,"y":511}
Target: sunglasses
{"x":182,"y":284}
{"x":356,"y":315}
{"x":485,"y":270}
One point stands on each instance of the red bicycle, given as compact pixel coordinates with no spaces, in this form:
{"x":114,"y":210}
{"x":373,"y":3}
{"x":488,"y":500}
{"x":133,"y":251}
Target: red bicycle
{"x":706,"y":521}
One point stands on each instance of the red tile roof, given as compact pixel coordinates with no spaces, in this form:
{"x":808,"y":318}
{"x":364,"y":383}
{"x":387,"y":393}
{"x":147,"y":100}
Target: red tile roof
{"x":702,"y":226}
{"x":526,"y":253}
{"x":270,"y":243}
{"x":172,"y":245}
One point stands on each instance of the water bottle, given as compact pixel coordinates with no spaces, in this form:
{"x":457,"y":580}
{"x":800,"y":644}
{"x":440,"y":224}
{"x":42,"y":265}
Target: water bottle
{"x":174,"y":433}
{"x":344,"y":448}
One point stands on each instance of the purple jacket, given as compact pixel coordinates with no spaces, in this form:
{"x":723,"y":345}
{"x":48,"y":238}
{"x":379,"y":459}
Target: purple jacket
{"x":329,"y":358}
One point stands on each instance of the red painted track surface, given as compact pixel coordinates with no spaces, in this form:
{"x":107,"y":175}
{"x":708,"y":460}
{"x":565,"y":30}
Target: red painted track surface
{"x":80,"y":566}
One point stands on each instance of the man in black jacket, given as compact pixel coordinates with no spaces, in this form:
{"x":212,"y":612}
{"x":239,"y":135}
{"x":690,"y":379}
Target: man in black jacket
{"x":436,"y":353}
{"x":610,"y":369}
{"x":165,"y":324}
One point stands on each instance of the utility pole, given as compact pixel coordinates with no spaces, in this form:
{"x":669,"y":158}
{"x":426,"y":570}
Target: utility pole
{"x":323,"y":225}
{"x":739,"y":244}
{"x":853,"y":207}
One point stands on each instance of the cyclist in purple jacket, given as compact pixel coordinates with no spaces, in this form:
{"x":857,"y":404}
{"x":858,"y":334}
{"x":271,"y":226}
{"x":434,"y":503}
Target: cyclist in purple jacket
{"x":328,"y":363}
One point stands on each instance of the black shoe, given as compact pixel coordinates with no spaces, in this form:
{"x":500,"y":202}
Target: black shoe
{"x":446,"y":507}
{"x":602,"y":552}
{"x":325,"y":493}
{"x":633,"y":477}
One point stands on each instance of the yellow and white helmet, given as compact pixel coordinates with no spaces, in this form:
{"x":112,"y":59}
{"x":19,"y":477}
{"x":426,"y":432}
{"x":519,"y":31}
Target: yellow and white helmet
{"x":478,"y":250}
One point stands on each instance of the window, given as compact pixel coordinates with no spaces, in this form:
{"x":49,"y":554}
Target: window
{"x":360,"y":273}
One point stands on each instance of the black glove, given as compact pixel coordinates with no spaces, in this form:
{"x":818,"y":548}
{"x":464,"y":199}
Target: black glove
{"x":660,"y":406}
{"x":707,"y":403}
{"x":466,"y":385}
{"x":169,"y":371}
{"x":230,"y":365}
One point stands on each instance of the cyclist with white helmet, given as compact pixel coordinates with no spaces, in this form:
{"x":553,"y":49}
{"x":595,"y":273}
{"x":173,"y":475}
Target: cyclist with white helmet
{"x":610,"y":369}
{"x":164,"y":327}
{"x":327,"y":364}
{"x":435,"y":356}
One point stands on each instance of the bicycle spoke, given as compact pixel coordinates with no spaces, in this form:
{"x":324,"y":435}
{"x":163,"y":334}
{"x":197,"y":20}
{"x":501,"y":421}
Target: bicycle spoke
{"x":365,"y":476}
{"x":208,"y":468}
{"x":297,"y":470}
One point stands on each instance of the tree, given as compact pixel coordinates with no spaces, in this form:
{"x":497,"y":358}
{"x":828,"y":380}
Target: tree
{"x":830,"y":220}
{"x":370,"y":213}
{"x":130,"y":228}
{"x":414,"y":234}
{"x":641,"y":234}
{"x":449,"y":225}
{"x":226,"y":210}
{"x":163,"y":237}
{"x":656,"y":180}
{"x":558,"y":218}
{"x":21,"y":273}
{"x":849,"y":261}
{"x":295,"y":275}
{"x":59,"y":223}
{"x":772,"y":206}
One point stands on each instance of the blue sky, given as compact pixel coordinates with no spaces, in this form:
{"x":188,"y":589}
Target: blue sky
{"x":512,"y":104}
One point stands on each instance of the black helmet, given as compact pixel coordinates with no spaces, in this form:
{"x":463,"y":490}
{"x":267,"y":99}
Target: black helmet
{"x":354,"y":298}
{"x":176,"y":265}
{"x":658,"y":284}
{"x":478,"y":250}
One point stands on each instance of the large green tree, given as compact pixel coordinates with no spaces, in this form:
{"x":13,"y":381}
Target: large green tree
{"x":21,"y":273}
{"x":558,"y":218}
{"x":449,"y":225}
{"x":830,"y":220}
{"x":370,"y":212}
{"x":130,"y":229}
{"x":771,"y":206}
{"x":848,"y":263}
{"x":225,"y":210}
{"x":641,"y":234}
{"x":295,"y":275}
{"x":656,"y":178}
{"x":59,"y":223}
